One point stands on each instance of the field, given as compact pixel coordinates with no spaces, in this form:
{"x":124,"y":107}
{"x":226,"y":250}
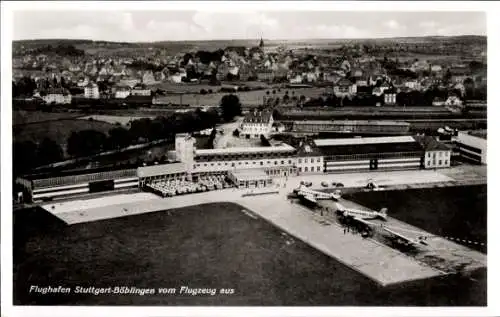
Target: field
{"x":213,"y":246}
{"x":196,"y":88}
{"x":58,"y":131}
{"x":24,"y":117}
{"x":247,"y":98}
{"x":123,"y":120}
{"x":458,"y":212}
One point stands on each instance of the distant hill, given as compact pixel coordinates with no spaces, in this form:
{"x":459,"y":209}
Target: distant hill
{"x":93,"y":47}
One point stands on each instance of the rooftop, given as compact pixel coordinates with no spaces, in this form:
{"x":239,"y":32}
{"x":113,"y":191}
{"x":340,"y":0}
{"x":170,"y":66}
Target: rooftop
{"x":479,"y":133}
{"x":258,"y":117}
{"x":371,"y":148}
{"x":355,"y":122}
{"x":363,"y":141}
{"x":250,"y":174}
{"x":429,"y":143}
{"x":162,"y":169}
{"x":247,"y":150}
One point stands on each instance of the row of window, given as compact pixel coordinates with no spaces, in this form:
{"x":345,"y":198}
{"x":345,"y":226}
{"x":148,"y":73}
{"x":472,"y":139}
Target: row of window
{"x":357,"y":128}
{"x":233,"y":164}
{"x":306,"y":169}
{"x":439,"y":163}
{"x":441,"y":154}
{"x":366,"y":156}
{"x":206,"y":158}
{"x":312,"y":160}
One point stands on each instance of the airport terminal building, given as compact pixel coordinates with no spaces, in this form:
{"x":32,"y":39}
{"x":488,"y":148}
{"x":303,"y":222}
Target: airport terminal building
{"x":251,"y":166}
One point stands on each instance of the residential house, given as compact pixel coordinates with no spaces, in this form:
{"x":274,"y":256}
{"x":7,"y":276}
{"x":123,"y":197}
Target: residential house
{"x":437,"y":154}
{"x":344,"y":87}
{"x":436,"y":69}
{"x":357,"y":73}
{"x":176,"y":77}
{"x":361,"y":82}
{"x":148,"y":78}
{"x":257,"y":123}
{"x":233,"y":70}
{"x":82,"y":82}
{"x":57,"y":96}
{"x":222,"y":72}
{"x":385,"y":86}
{"x":345,"y":66}
{"x":419,"y":66}
{"x":91,"y":91}
{"x":331,"y":77}
{"x":244,"y":72}
{"x":296,"y":80}
{"x":377,"y":91}
{"x":122,"y":92}
{"x":438,"y":102}
{"x":131,"y":82}
{"x":390,"y":96}
{"x":453,"y":100}
{"x":159,"y":76}
{"x":412,"y":84}
{"x":265,"y":74}
{"x":140,"y":90}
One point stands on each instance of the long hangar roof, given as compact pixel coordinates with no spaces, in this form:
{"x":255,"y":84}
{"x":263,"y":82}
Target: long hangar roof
{"x":283,"y":148}
{"x":368,"y":145}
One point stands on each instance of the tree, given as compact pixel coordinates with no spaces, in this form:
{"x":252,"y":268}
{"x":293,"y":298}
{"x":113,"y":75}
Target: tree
{"x":230,"y":107}
{"x":264,"y":141}
{"x":119,"y":137}
{"x":23,"y":157}
{"x":236,"y":133}
{"x":86,"y":143}
{"x":49,"y":152}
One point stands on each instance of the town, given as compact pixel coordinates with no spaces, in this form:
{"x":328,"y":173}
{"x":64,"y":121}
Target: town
{"x":164,"y":162}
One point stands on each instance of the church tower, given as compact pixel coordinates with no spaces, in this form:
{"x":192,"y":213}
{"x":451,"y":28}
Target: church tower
{"x":261,"y":44}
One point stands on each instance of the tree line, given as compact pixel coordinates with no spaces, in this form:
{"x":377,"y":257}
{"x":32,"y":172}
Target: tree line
{"x":28,"y":155}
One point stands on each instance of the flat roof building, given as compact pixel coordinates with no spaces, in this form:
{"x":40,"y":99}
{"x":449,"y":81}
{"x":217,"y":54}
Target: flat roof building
{"x":250,"y":178}
{"x":362,"y":154}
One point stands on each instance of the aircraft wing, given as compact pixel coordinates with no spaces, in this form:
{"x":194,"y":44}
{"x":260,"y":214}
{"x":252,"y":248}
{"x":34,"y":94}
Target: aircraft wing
{"x":363,"y":221}
{"x":405,"y":238}
{"x":309,"y":198}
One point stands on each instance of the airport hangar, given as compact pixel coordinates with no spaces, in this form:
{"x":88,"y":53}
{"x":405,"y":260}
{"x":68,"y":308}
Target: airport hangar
{"x":356,"y":127}
{"x":252,"y":166}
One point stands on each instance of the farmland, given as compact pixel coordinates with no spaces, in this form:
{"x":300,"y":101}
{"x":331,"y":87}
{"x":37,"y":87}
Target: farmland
{"x":247,"y":98}
{"x":122,"y":120}
{"x":26,"y":117}
{"x":59,"y":130}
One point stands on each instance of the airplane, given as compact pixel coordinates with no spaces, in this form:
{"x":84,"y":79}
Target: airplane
{"x":401,"y":239}
{"x":313,"y":196}
{"x":362,"y":214}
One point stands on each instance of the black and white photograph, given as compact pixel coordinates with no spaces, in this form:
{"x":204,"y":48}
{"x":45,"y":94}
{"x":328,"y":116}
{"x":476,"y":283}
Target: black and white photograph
{"x":261,"y":158}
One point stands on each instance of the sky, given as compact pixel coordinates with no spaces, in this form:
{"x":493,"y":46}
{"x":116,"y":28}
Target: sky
{"x":149,"y":26}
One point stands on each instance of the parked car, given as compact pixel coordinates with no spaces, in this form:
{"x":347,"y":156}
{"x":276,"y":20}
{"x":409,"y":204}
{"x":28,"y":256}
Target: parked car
{"x":339,"y":185}
{"x":324,"y":184}
{"x":309,"y":184}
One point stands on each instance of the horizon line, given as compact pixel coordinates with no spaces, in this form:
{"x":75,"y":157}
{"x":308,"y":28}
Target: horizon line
{"x":252,"y":39}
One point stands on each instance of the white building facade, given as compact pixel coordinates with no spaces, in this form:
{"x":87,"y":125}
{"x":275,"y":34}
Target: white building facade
{"x":472,"y":147}
{"x":256,"y":124}
{"x":91,"y":91}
